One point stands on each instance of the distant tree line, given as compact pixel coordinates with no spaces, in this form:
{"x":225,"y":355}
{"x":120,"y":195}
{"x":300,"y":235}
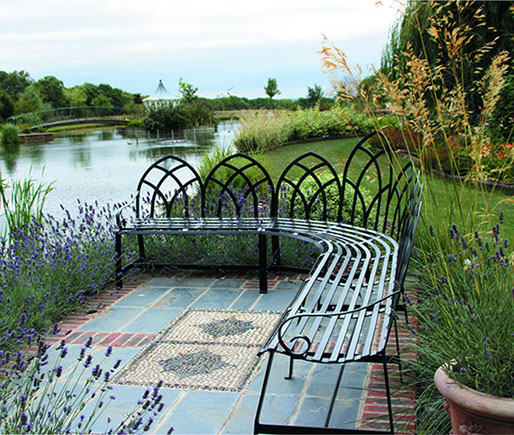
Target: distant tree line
{"x":20,"y":93}
{"x":233,"y":102}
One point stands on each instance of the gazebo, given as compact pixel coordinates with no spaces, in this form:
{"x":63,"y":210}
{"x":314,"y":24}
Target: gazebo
{"x":161,"y":96}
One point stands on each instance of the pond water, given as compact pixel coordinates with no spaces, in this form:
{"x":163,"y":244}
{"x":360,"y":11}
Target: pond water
{"x":103,"y":165}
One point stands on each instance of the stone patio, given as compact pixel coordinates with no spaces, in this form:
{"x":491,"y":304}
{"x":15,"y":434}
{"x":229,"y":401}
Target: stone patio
{"x":200,"y":334}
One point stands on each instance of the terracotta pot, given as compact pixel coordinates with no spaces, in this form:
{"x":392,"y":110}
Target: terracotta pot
{"x":472,"y":412}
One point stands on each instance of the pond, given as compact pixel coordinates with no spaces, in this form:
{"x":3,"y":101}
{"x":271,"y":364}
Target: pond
{"x":103,"y":165}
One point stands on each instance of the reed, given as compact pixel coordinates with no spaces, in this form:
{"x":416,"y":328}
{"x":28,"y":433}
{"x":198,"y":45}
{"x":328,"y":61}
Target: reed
{"x":22,"y":201}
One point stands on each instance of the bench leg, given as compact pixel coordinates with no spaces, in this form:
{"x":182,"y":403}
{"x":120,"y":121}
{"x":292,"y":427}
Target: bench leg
{"x":263,"y":266}
{"x":334,"y":396}
{"x":141,"y":243}
{"x":117,"y":269}
{"x":275,"y":248}
{"x":398,"y":348}
{"x":291,"y":367}
{"x":256,"y":423}
{"x":388,"y":394}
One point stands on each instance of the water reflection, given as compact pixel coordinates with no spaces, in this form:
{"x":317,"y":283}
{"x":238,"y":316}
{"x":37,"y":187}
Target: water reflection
{"x":10,"y":155}
{"x":104,"y":165}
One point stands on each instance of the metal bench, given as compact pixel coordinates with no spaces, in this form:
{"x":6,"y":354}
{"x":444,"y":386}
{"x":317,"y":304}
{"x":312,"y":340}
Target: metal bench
{"x":345,"y":309}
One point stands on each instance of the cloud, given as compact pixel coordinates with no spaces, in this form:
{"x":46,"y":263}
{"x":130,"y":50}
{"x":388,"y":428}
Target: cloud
{"x":60,"y":35}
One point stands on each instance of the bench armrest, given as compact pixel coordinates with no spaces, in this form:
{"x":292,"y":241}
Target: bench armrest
{"x":292,"y":342}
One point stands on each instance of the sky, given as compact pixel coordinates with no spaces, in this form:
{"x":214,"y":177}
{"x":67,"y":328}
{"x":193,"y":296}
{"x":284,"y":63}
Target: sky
{"x":220,"y":47}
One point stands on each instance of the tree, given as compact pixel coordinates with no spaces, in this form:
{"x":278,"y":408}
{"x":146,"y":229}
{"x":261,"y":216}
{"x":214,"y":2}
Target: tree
{"x":501,"y":126}
{"x":439,"y":31}
{"x":91,"y":91}
{"x":101,"y":100}
{"x":271,"y":89}
{"x":188,"y":91}
{"x":76,"y":96}
{"x":14,"y":83}
{"x":52,"y":91}
{"x":6,"y":105}
{"x":117,"y":97}
{"x":31,"y":101}
{"x":314,"y":95}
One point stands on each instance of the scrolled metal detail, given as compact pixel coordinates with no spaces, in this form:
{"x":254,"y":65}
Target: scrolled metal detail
{"x":293,"y":342}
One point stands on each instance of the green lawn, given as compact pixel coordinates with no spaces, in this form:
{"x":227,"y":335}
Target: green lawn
{"x":444,"y":202}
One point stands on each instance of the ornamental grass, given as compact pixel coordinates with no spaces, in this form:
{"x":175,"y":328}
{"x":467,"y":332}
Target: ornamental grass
{"x":465,"y":301}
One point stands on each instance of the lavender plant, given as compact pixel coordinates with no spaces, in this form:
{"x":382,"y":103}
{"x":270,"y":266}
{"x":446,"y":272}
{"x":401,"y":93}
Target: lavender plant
{"x":468,"y":317}
{"x":38,"y":397}
{"x":465,"y":310}
{"x":52,"y":267}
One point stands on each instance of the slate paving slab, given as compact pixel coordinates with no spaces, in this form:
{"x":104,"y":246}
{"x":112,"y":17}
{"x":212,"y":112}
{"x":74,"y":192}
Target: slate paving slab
{"x":136,"y":318}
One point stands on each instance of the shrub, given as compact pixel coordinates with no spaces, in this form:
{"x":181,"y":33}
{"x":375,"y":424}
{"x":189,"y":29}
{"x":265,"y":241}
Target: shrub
{"x":450,"y":156}
{"x":197,"y":113}
{"x":10,"y":135}
{"x":263,"y":132}
{"x":167,"y":117}
{"x":398,"y":138}
{"x":135,"y":123}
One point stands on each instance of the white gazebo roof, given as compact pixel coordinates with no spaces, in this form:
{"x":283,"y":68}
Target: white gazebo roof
{"x":160,"y":94}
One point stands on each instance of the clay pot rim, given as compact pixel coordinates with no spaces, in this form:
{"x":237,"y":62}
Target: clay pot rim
{"x":472,"y":400}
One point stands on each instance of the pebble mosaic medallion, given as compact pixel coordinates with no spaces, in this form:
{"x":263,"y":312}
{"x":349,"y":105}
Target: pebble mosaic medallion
{"x":203,"y":350}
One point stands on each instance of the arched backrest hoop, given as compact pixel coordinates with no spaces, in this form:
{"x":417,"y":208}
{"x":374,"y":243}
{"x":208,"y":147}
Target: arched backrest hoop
{"x":367,"y":209}
{"x":239,"y":182}
{"x":166,"y":187}
{"x":321,"y":180}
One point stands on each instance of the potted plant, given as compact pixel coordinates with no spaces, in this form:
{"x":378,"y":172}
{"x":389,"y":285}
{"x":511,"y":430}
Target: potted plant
{"x":472,"y":411}
{"x":468,"y":322}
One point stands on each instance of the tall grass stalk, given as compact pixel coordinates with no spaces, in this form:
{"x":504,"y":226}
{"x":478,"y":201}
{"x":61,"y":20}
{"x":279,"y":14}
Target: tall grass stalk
{"x":21,"y":201}
{"x":265,"y":131}
{"x":431,"y":117}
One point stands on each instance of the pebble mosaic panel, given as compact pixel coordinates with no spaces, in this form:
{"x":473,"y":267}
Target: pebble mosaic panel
{"x":214,"y":350}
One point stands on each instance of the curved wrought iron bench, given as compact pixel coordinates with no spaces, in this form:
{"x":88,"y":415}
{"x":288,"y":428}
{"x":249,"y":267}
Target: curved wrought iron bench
{"x":345,"y":308}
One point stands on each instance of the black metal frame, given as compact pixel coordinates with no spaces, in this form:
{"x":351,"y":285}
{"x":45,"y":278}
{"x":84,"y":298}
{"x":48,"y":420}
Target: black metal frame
{"x":359,"y":273}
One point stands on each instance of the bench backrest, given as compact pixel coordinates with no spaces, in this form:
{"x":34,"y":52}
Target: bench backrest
{"x":309,"y":188}
{"x":370,"y":190}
